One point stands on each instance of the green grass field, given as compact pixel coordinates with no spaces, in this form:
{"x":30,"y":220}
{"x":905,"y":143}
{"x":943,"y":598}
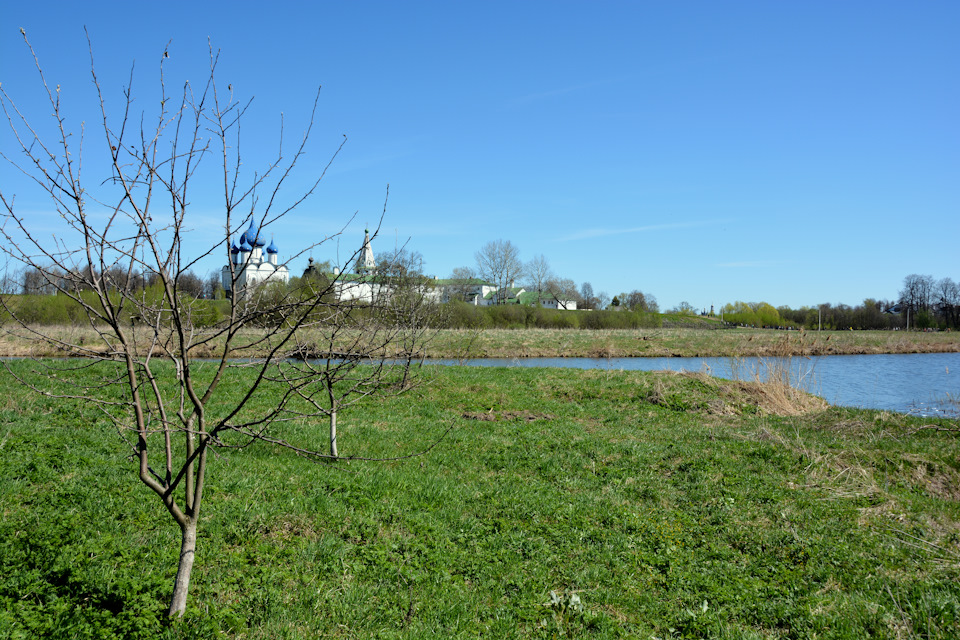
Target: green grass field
{"x":671,"y":505}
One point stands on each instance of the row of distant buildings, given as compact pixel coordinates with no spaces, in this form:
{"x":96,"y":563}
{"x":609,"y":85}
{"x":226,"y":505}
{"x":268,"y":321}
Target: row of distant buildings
{"x":253,"y":263}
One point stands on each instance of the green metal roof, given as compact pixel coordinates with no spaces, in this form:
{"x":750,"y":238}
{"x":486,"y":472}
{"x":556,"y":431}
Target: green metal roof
{"x":459,"y":281}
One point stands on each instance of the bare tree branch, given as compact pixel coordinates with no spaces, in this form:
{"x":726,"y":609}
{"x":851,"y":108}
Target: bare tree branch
{"x":315,"y":349}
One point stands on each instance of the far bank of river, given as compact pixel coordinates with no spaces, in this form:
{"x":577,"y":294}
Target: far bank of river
{"x":918,"y":384}
{"x":565,"y":343}
{"x":922,"y":378}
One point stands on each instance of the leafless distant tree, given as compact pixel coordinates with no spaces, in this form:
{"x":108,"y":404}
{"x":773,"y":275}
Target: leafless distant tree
{"x":538,"y":273}
{"x":587,"y":299}
{"x":35,"y":281}
{"x":213,"y":286}
{"x":119,"y":279}
{"x":650,"y":304}
{"x":917,"y":292}
{"x":400,"y":261}
{"x":637,"y":300}
{"x":10,"y":282}
{"x":190,"y":284}
{"x":948,"y":301}
{"x":499,"y":262}
{"x":563,"y":289}
{"x":603,"y":299}
{"x":133,"y":220}
{"x":684,"y":308}
{"x":463,"y":283}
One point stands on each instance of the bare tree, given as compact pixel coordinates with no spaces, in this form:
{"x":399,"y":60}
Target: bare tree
{"x":213,"y":286}
{"x":538,"y":273}
{"x":563,"y":289}
{"x":917,"y":292}
{"x":10,"y":283}
{"x":948,"y":301}
{"x":463,"y":283}
{"x":370,"y":344}
{"x":133,"y":220}
{"x":34,"y":281}
{"x":650,"y":304}
{"x":588,"y":300}
{"x":499,"y":262}
{"x":120,"y":279}
{"x":190,"y":284}
{"x":685,"y":308}
{"x":400,"y":261}
{"x":637,"y":300}
{"x":603,"y":299}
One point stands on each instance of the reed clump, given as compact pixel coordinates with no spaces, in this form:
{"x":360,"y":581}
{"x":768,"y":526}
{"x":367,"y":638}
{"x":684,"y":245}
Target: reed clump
{"x":699,"y":392}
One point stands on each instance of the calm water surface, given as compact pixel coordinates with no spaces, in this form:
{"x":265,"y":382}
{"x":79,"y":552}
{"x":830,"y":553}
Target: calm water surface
{"x":925,"y":384}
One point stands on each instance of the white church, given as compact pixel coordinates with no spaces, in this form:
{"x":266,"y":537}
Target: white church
{"x":360,"y":285}
{"x":252,"y":264}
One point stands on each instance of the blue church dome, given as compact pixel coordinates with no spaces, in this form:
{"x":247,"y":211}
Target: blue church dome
{"x":272,"y":248}
{"x":252,"y":236}
{"x":233,"y":249}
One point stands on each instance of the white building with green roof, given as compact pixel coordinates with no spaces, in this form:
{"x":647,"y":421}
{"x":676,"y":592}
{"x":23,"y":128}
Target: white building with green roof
{"x":366,"y":285}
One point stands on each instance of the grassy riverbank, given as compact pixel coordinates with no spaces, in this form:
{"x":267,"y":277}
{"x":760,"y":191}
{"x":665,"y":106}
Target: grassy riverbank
{"x":524,"y":343}
{"x":671,"y":505}
{"x":559,"y":343}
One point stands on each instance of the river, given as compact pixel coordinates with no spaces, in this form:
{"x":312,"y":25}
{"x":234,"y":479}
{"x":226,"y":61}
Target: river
{"x":925,"y":384}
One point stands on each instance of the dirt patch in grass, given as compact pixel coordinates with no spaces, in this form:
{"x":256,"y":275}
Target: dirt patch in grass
{"x":937,"y":480}
{"x":497,"y":416}
{"x":288,"y":527}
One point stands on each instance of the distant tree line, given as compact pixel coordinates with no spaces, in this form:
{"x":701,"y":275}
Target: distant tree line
{"x":463,"y":315}
{"x":33,"y":293}
{"x":34,"y":281}
{"x":636,"y":300}
{"x":923,"y":303}
{"x":870,"y":314}
{"x":930,"y":303}
{"x":498,"y":262}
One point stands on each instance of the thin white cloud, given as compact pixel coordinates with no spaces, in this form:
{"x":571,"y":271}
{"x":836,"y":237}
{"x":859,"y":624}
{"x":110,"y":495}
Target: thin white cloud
{"x":749,"y":264}
{"x":533,"y":97}
{"x":598,"y":233}
{"x":553,"y":93}
{"x":651,"y":71}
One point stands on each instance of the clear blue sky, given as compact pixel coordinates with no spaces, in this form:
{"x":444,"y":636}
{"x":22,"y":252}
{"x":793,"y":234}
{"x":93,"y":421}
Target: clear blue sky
{"x":794,"y":153}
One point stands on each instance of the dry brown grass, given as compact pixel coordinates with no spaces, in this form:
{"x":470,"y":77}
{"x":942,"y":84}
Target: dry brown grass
{"x":703,"y":393}
{"x":20,"y":342}
{"x":849,"y":466}
{"x":552,"y":343}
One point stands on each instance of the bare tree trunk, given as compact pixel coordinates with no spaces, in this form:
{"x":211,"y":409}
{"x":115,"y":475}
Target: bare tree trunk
{"x":188,"y":549}
{"x":333,"y":434}
{"x":94,"y":267}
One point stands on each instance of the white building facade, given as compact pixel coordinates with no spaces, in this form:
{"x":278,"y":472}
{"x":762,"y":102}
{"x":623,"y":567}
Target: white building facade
{"x":365,"y":286}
